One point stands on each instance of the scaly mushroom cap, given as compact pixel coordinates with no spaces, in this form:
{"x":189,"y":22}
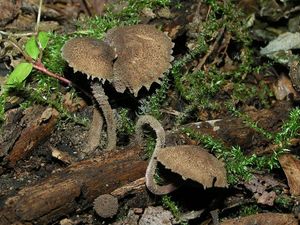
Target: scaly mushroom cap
{"x":143,"y":55}
{"x":90,"y":56}
{"x":193,"y":162}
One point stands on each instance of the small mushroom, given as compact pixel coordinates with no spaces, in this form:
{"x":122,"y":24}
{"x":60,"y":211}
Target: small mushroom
{"x":130,"y":57}
{"x":152,"y":164}
{"x":106,"y":205}
{"x":144,"y":55}
{"x":189,"y":161}
{"x":195,"y":163}
{"x":90,"y":56}
{"x":94,"y":58}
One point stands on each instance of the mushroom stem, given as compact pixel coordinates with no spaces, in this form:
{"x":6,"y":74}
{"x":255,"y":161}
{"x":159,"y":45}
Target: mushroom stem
{"x":108,"y":115}
{"x":152,"y":165}
{"x":94,"y":135}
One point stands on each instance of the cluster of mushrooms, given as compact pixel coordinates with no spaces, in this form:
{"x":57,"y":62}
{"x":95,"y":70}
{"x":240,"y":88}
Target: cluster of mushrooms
{"x":130,"y":58}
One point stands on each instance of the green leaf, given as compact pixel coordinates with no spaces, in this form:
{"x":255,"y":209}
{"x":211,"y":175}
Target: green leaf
{"x":19,"y":74}
{"x":43,"y":38}
{"x":31,"y":48}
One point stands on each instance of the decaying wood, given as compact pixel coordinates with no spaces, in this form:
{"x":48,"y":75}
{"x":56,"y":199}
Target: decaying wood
{"x":263,"y":218}
{"x":39,"y":127}
{"x":73,"y":188}
{"x":234,"y":131}
{"x":127,"y":189}
{"x":10,"y":130}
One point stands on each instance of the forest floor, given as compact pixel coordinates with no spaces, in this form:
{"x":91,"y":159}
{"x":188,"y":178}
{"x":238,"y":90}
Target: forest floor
{"x":231,"y":89}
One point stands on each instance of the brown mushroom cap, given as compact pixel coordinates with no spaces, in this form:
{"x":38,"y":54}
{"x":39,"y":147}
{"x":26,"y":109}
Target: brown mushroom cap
{"x":106,"y":205}
{"x":90,"y":56}
{"x":143,"y":55}
{"x":195,"y":163}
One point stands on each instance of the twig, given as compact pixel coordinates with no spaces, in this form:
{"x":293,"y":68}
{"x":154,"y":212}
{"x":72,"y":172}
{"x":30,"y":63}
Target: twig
{"x":25,"y":55}
{"x":17,"y":35}
{"x":40,"y":67}
{"x":38,"y":19}
{"x":210,"y":50}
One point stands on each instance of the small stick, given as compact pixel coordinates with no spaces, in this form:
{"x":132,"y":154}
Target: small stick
{"x":38,"y":19}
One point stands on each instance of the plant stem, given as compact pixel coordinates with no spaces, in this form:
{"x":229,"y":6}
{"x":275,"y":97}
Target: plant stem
{"x":40,"y":67}
{"x":39,"y":16}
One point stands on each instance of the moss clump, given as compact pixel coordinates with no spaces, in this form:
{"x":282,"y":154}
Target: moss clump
{"x":125,"y":124}
{"x":152,"y":104}
{"x":2,"y":107}
{"x":129,"y":15}
{"x":284,"y":201}
{"x":171,"y":205}
{"x":246,"y":210}
{"x":52,"y":54}
{"x":205,"y":87}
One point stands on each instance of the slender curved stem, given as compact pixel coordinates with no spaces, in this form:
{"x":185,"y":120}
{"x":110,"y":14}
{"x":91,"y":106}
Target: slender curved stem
{"x":152,"y":165}
{"x":94,"y":135}
{"x":108,"y":114}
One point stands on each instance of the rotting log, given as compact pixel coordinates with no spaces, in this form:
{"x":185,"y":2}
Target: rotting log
{"x":39,"y":127}
{"x":74,"y":187}
{"x":234,"y":131}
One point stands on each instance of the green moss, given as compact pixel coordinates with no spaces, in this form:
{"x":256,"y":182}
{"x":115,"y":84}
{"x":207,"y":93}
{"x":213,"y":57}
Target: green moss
{"x":248,"y":210}
{"x":289,"y":130}
{"x":284,"y":201}
{"x":250,"y":123}
{"x":52,"y":54}
{"x":150,"y":146}
{"x":129,"y":15}
{"x":125,"y":124}
{"x":2,"y":107}
{"x":169,"y":204}
{"x":201,"y":89}
{"x":152,"y":104}
{"x":47,"y":91}
{"x":173,"y":207}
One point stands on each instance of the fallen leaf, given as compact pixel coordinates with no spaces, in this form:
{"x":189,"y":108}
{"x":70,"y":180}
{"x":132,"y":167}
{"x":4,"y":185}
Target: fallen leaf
{"x":283,"y":42}
{"x":291,"y":167}
{"x":283,"y":88}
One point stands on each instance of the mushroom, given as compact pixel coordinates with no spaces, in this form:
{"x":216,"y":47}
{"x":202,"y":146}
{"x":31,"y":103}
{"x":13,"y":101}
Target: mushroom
{"x":144,"y":54}
{"x":195,"y":163}
{"x":189,"y":161}
{"x":130,"y":58}
{"x":106,"y":205}
{"x":94,"y":58}
{"x":152,"y":164}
